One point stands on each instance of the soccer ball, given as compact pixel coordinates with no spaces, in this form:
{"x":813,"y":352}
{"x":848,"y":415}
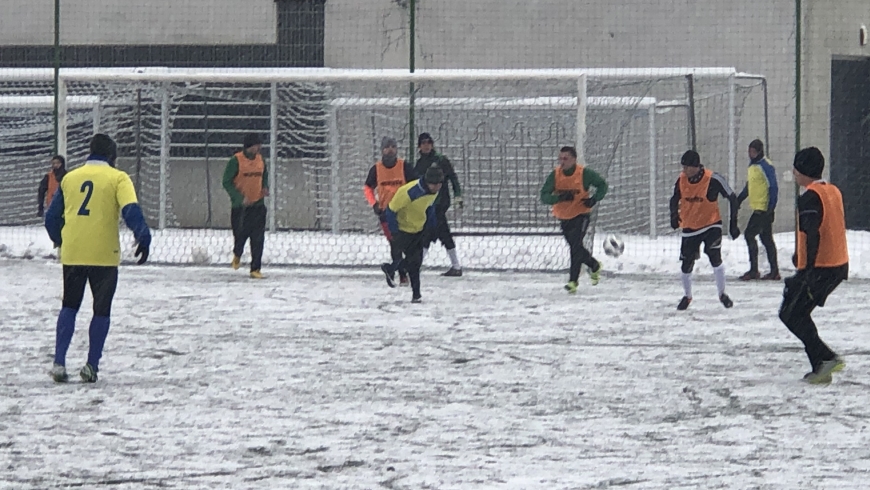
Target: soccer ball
{"x":613,"y":246}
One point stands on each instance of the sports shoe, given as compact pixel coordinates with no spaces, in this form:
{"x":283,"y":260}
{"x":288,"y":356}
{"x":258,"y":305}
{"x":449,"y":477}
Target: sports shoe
{"x":684,"y":303}
{"x":571,"y":287}
{"x":88,"y":374}
{"x":385,"y":268}
{"x":834,"y":365}
{"x":726,"y":301}
{"x":750,"y":276}
{"x":453,"y":273}
{"x":237,"y":262}
{"x":818,"y":379}
{"x":403,"y":280}
{"x":595,"y":276}
{"x":257,"y":274}
{"x":58,"y":374}
{"x":417,"y":299}
{"x":771,"y":276}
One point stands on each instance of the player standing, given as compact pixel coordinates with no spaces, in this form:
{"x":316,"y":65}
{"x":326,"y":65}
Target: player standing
{"x":428,"y":158}
{"x":385,"y":177}
{"x":83,"y":220}
{"x":762,"y":190}
{"x":246,"y":180}
{"x":694,"y":207}
{"x":410,"y":212}
{"x":822,"y":260}
{"x":573,"y":190}
{"x":49,"y":184}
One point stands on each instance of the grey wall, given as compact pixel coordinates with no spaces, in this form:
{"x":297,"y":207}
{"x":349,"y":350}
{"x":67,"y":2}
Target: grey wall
{"x":140,"y":22}
{"x":830,"y":30}
{"x":190,"y":185}
{"x":745,"y":34}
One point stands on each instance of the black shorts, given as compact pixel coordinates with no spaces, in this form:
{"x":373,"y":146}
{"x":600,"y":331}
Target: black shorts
{"x":690,"y":249}
{"x":103,"y":281}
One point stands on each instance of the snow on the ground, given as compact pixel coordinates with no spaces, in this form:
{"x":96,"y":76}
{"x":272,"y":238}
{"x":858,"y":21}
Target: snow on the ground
{"x":643,"y":255}
{"x":323,"y":378}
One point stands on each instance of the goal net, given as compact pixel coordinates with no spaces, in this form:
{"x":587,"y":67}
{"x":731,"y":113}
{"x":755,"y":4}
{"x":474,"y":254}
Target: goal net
{"x":501,"y":129}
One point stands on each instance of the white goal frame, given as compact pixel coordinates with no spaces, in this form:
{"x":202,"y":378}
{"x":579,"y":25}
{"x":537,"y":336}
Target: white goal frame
{"x":274,"y":76}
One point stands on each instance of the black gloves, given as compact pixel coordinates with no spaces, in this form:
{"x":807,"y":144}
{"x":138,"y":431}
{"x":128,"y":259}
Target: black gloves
{"x":143,"y":250}
{"x":735,"y":231}
{"x":566,"y":196}
{"x":40,"y":214}
{"x":589,"y":202}
{"x":675,"y":221}
{"x":377,"y":209}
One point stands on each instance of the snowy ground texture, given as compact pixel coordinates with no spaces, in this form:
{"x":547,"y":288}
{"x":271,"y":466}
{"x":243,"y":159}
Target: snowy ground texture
{"x":323,"y":379}
{"x":643,"y":255}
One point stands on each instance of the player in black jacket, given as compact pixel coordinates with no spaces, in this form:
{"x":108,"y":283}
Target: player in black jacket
{"x":428,"y":158}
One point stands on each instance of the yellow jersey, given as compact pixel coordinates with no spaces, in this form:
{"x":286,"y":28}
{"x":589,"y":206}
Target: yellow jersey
{"x":93,"y":197}
{"x":410,"y":208}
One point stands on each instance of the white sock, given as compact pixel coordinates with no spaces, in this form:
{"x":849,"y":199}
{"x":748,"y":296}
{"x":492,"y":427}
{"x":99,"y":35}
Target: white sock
{"x":454,"y":260}
{"x":719,"y":274}
{"x":687,"y":284}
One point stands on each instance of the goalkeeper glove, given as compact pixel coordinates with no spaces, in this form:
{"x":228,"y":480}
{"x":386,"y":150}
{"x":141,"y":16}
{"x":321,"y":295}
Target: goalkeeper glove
{"x":458,"y":201}
{"x":143,"y":250}
{"x":377,"y":209}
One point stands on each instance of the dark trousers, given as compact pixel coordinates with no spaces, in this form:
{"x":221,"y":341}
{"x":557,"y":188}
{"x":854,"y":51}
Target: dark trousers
{"x":103,"y":282}
{"x":574,"y":231}
{"x":395,"y":250}
{"x":690,"y":248}
{"x":442,"y":230}
{"x":761,"y":223}
{"x":802,"y":293}
{"x":411,"y":246}
{"x":249,"y":223}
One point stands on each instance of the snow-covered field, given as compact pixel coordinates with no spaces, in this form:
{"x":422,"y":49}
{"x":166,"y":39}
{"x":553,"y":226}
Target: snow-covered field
{"x":327,"y":379}
{"x":643,"y":255}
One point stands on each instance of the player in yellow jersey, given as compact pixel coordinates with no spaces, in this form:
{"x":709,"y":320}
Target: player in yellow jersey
{"x":410,"y":212}
{"x":83,"y":221}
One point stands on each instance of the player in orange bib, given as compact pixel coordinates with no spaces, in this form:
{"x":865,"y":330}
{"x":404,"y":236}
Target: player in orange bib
{"x":246,"y":180}
{"x":384,"y":179}
{"x":573,"y":190}
{"x":695,"y":209}
{"x":822,"y":260}
{"x":49,"y":184}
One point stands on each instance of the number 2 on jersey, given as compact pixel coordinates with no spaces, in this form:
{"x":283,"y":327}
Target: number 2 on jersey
{"x":88,"y":187}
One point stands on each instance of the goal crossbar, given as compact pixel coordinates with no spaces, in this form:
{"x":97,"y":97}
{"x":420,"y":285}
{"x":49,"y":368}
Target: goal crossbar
{"x":267,"y":75}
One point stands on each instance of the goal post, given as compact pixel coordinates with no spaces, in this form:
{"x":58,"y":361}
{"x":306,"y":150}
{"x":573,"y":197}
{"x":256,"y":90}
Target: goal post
{"x":502,"y":129}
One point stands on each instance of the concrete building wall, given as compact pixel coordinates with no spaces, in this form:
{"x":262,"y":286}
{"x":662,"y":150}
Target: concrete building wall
{"x":31,"y":22}
{"x":190,"y":187}
{"x":589,"y":33}
{"x":601,"y":33}
{"x":192,"y":182}
{"x":830,"y":30}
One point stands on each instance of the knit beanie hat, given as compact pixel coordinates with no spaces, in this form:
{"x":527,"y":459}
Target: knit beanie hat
{"x":691,"y":159}
{"x":251,"y":140}
{"x":434,"y":175}
{"x":810,"y":162}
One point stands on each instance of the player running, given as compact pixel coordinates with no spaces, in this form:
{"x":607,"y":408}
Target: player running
{"x":695,"y":208}
{"x":573,"y":190}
